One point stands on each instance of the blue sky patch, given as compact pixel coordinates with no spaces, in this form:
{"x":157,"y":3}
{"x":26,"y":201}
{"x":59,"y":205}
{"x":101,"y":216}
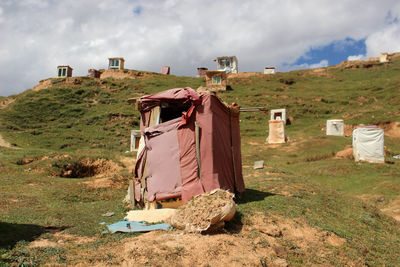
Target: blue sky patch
{"x":335,"y":52}
{"x":137,"y":10}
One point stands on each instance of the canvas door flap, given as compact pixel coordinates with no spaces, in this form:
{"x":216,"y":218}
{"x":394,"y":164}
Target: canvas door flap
{"x":163,"y":169}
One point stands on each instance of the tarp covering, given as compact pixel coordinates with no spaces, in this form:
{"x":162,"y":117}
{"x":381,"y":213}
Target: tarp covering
{"x":169,"y":161}
{"x":368,"y":145}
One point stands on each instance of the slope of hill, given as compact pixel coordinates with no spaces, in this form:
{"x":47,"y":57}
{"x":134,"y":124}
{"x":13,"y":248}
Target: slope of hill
{"x":336,"y":205}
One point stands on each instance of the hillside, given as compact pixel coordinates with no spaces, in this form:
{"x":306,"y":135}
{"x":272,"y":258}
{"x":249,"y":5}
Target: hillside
{"x":329,"y":211}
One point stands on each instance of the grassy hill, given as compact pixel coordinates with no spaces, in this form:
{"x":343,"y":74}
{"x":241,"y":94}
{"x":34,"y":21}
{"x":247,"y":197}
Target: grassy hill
{"x":90,"y":119}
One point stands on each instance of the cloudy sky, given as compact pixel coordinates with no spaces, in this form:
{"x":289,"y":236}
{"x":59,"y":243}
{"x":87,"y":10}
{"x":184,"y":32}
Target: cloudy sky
{"x":38,"y":35}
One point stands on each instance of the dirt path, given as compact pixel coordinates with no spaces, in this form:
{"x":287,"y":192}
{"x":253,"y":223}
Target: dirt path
{"x":4,"y":143}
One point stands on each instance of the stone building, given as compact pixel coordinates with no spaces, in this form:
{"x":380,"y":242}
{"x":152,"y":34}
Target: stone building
{"x":94,"y":73}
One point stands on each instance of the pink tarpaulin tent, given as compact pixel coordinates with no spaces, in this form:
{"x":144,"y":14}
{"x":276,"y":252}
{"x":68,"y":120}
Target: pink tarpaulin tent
{"x":192,"y":146}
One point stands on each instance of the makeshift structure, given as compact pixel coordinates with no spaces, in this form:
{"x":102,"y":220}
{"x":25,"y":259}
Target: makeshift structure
{"x":94,"y":73}
{"x":201,"y":72}
{"x":276,"y":133}
{"x":269,"y":70}
{"x":216,"y":80}
{"x":64,"y":71}
{"x":227,"y":64}
{"x":191,"y":146}
{"x":165,"y":70}
{"x":278,"y":115}
{"x":335,"y":127}
{"x":116,"y":63}
{"x":368,"y":144}
{"x":135,"y":139}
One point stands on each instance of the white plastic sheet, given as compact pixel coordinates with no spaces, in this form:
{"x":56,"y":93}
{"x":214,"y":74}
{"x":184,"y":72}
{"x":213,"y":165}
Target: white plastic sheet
{"x":368,"y":145}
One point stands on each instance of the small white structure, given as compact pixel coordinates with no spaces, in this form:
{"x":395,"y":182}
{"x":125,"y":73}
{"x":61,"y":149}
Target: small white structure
{"x":335,"y":127}
{"x":116,"y":63}
{"x":383,"y":58}
{"x":269,"y":70}
{"x":64,"y":71}
{"x":135,"y":139}
{"x":368,"y":143}
{"x":227,"y":64}
{"x":276,"y":133}
{"x":278,"y":115}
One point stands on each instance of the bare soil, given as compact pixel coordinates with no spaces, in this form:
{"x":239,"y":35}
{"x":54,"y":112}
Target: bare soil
{"x":261,"y":241}
{"x":4,"y":143}
{"x":346,"y":153}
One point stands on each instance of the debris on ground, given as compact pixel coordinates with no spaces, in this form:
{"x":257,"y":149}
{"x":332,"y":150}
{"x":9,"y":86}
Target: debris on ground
{"x":131,"y":227}
{"x":150,"y":216}
{"x":258,"y":165}
{"x":206,"y":212}
{"x":108,"y":214}
{"x":396,"y":157}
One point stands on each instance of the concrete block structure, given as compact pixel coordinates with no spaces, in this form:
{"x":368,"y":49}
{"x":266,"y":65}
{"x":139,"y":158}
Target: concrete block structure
{"x":278,"y":115}
{"x":201,"y":72}
{"x":64,"y":71}
{"x":269,"y":70}
{"x":335,"y":127}
{"x":116,"y":63}
{"x":165,"y":70}
{"x":276,"y":133}
{"x":227,"y":64}
{"x":216,"y":80}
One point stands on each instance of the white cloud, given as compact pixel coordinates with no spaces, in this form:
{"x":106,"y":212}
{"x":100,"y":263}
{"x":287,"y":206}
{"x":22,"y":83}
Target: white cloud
{"x":41,"y":34}
{"x":356,"y":57}
{"x":322,"y":64}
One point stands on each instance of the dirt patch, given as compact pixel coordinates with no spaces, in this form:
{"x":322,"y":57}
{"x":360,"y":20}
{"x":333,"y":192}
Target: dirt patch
{"x":129,"y":163}
{"x":4,"y":143}
{"x":4,"y":103}
{"x":59,"y":239}
{"x":244,"y":74}
{"x":100,"y":183}
{"x":265,"y":241}
{"x":393,"y":209}
{"x":43,"y":84}
{"x":86,"y":168}
{"x":392,"y":129}
{"x":41,"y":243}
{"x":346,"y":153}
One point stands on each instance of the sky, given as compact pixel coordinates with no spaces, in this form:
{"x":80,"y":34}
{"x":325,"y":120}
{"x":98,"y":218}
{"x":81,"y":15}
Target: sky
{"x":39,"y":35}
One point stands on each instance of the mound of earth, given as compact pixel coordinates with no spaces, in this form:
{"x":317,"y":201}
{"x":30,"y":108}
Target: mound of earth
{"x":346,"y":153}
{"x":87,"y":168}
{"x":208,"y":211}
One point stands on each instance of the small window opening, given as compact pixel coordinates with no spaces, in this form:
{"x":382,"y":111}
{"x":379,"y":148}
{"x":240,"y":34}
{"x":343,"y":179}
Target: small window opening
{"x":64,"y":72}
{"x":216,"y":80}
{"x":170,"y":111}
{"x":278,"y":116}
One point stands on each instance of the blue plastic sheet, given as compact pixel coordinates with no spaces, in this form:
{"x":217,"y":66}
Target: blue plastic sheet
{"x":129,"y":226}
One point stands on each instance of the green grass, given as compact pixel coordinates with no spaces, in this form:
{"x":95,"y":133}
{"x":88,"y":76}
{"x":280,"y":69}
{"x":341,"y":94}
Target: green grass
{"x":93,"y":120}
